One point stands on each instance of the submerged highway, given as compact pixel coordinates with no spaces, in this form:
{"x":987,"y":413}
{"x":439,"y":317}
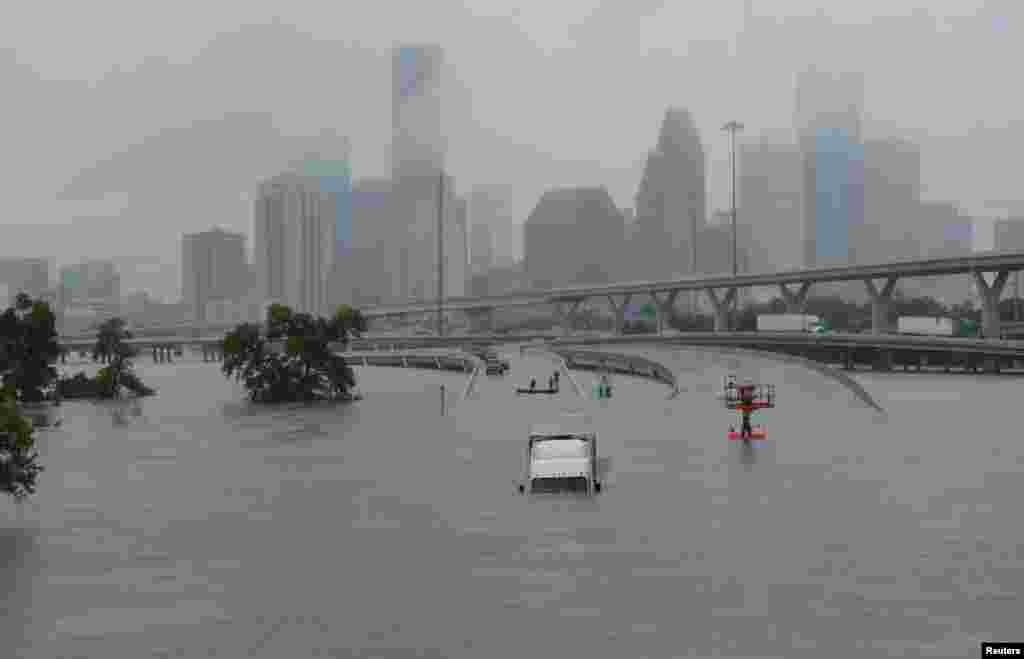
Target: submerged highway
{"x":195,"y":524}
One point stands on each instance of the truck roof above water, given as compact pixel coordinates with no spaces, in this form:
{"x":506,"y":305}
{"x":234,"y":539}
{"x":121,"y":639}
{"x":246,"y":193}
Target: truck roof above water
{"x":561,"y":430}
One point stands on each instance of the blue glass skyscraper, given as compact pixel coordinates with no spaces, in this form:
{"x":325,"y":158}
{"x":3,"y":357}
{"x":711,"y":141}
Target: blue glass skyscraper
{"x":838,"y":193}
{"x":335,"y":177}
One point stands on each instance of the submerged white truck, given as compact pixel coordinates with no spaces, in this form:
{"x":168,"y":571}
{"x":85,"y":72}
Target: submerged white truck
{"x":561,"y":457}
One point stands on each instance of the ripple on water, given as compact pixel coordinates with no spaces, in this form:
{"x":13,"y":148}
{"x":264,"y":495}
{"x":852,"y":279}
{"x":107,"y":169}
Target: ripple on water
{"x":392,"y":512}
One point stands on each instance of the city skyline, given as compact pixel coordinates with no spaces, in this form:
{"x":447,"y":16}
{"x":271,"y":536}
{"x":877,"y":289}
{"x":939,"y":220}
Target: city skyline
{"x":565,"y":152}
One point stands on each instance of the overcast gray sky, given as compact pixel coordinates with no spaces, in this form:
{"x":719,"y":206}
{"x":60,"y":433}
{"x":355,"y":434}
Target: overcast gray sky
{"x":553,"y":93}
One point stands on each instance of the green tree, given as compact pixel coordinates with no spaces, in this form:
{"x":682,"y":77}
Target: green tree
{"x":293,"y":358}
{"x":28,"y":348}
{"x":112,"y":347}
{"x":19,"y":468}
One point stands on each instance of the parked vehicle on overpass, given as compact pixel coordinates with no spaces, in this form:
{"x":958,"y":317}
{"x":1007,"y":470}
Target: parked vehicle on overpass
{"x":926,"y":325}
{"x":787,"y":322}
{"x":561,"y":457}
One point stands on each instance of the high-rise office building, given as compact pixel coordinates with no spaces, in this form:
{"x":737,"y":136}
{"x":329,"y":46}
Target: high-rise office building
{"x":294,"y":236}
{"x":457,"y":250}
{"x":330,"y":164}
{"x":418,"y":161}
{"x":502,"y":208}
{"x":365,"y":276}
{"x":892,"y":202}
{"x":769,"y":194}
{"x":481,"y":247}
{"x":23,"y":275}
{"x":828,"y":123}
{"x":671,"y":202}
{"x":573,"y":236}
{"x":213,"y":268}
{"x":945,"y":232}
{"x":89,"y":283}
{"x":1008,"y":235}
{"x":418,"y":145}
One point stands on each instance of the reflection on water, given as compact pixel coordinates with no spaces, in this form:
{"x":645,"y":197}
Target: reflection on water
{"x":197,"y":524}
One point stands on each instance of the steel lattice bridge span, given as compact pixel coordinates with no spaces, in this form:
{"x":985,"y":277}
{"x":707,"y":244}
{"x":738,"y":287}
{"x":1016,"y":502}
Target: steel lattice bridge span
{"x":880,"y":281}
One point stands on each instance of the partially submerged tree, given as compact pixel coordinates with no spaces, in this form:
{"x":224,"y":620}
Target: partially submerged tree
{"x":118,"y":374}
{"x":293,"y":358}
{"x":28,"y":348}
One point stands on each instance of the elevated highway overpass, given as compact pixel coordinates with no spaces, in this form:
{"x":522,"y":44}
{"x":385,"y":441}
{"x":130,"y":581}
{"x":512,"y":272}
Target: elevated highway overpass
{"x":879,"y":351}
{"x":879,"y":279}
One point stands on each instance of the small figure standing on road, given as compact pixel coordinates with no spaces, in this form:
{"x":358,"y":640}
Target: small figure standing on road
{"x":533,"y":384}
{"x":746,"y":407}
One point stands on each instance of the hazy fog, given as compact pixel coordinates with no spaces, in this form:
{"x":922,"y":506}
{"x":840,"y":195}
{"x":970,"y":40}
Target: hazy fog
{"x":127,"y":124}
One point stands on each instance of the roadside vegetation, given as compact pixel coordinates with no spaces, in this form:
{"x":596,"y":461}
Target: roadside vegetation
{"x":292,"y":357}
{"x":28,"y":351}
{"x":117,"y":378}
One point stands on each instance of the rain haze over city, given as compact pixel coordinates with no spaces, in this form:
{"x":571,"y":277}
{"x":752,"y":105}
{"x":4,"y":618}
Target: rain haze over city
{"x":457,"y":329}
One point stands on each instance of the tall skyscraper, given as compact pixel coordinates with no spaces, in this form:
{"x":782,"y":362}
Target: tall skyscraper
{"x":457,"y":250}
{"x":828,"y":123}
{"x":481,"y":247}
{"x":418,"y":157}
{"x":671,"y":202}
{"x":502,"y":208}
{"x":330,"y":165}
{"x":573,"y":236}
{"x":365,"y":276}
{"x":769,"y":191}
{"x":213,"y":268}
{"x":418,"y":146}
{"x":294,"y":236}
{"x":892,"y":202}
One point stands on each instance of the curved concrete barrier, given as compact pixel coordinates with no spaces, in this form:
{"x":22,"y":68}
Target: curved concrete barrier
{"x":633,"y":365}
{"x":842,"y":378}
{"x":426,"y":360}
{"x":470,"y":382}
{"x":818,"y":367}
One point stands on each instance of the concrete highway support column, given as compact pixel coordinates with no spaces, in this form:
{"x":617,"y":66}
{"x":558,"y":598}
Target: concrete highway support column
{"x":566,"y":312}
{"x":795,"y":302}
{"x":666,"y":308}
{"x":880,"y":304}
{"x":721,"y":307}
{"x":990,"y":294}
{"x":619,"y":312}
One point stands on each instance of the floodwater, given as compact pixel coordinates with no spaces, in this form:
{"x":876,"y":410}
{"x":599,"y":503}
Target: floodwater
{"x":194,"y":524}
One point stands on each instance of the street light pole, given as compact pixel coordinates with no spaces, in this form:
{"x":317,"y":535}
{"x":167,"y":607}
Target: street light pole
{"x":732,"y":128}
{"x":440,"y":255}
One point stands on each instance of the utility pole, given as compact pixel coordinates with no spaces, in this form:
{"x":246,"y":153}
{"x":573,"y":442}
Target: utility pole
{"x":693,"y":252}
{"x":440,"y":255}
{"x":732,"y":128}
